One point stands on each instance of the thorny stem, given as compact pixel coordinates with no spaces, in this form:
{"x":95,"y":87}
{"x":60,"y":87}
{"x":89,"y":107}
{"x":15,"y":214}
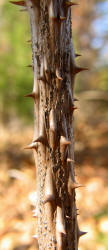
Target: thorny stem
{"x":53,"y":141}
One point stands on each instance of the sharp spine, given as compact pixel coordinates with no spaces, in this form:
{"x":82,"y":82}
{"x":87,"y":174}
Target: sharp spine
{"x":75,"y":100}
{"x":42,"y":78}
{"x":80,"y":233}
{"x":70,"y":160}
{"x":29,"y":66}
{"x":19,"y":3}
{"x":72,"y":185}
{"x":29,"y":41}
{"x":52,"y":122}
{"x":73,"y":108}
{"x":58,"y":75}
{"x":42,"y":139}
{"x":35,"y":236}
{"x":32,"y":95}
{"x":69,"y":4}
{"x":35,"y":212}
{"x":49,"y":187}
{"x":63,"y":144}
{"x":33,"y":145}
{"x":59,"y":241}
{"x":79,"y":69}
{"x":60,"y":221}
{"x":77,"y":55}
{"x":75,"y":185}
{"x":46,"y":70}
{"x":53,"y":127}
{"x":51,"y":10}
{"x":59,"y":18}
{"x":64,"y":141}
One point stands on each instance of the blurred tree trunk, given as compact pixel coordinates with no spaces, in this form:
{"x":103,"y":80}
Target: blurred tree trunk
{"x":84,"y":35}
{"x":53,"y":143}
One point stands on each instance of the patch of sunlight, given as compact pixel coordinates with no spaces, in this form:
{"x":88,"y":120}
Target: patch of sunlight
{"x":100,"y":247}
{"x":88,"y":227}
{"x":94,"y":185}
{"x":6,"y":243}
{"x":103,"y":225}
{"x":33,"y":198}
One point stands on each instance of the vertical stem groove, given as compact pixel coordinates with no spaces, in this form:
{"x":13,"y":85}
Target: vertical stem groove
{"x":54,"y":73}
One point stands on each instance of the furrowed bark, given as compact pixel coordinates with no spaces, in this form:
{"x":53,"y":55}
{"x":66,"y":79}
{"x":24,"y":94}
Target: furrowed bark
{"x":54,"y":71}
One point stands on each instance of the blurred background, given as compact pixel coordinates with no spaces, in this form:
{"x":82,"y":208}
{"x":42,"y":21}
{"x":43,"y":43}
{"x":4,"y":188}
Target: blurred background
{"x":17,"y":170}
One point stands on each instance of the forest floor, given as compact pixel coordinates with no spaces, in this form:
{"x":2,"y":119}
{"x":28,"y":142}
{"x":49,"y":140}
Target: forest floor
{"x":17,"y":187}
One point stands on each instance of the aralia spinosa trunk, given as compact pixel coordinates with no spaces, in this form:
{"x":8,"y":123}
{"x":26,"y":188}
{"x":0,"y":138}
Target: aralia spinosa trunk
{"x":54,"y":70}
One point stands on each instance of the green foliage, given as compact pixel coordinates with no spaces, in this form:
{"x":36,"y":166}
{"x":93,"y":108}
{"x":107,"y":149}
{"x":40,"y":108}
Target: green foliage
{"x":103,"y":239}
{"x":16,"y":78}
{"x":103,"y":79}
{"x":101,"y":214}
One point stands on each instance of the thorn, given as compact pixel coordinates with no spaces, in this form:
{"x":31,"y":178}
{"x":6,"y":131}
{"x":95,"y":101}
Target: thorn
{"x":35,"y":213}
{"x":60,"y":227}
{"x":81,"y":233}
{"x":63,"y":144}
{"x":49,"y":187}
{"x":75,"y":185}
{"x":75,"y":100}
{"x":35,"y":236}
{"x":77,"y":55}
{"x":42,"y":139}
{"x":41,"y":78}
{"x":31,"y":146}
{"x":70,"y":160}
{"x":52,"y":122}
{"x":58,"y":75}
{"x":73,"y":108}
{"x":42,"y":131}
{"x":33,"y":95}
{"x":47,"y":75}
{"x":79,"y":69}
{"x":59,"y":18}
{"x":20,"y":3}
{"x":77,"y":210}
{"x":29,"y":66}
{"x":29,"y":41}
{"x":69,"y":4}
{"x":51,"y":10}
{"x":46,"y":70}
{"x":68,"y":217}
{"x":48,"y":198}
{"x":64,"y":141}
{"x":72,"y":185}
{"x":59,"y":241}
{"x":53,"y":127}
